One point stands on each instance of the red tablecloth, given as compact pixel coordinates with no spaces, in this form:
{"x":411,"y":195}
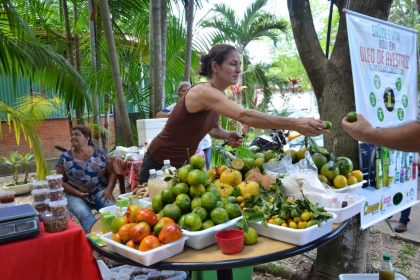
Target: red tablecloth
{"x":59,"y":255}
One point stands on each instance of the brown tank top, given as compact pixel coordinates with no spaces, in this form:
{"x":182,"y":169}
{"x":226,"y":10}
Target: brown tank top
{"x":180,"y":137}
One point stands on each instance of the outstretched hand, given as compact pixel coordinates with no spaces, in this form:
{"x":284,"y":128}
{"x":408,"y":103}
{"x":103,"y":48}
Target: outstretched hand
{"x":309,"y":127}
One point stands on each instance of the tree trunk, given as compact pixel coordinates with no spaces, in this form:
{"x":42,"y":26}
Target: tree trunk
{"x":93,"y":47}
{"x":156,"y":56}
{"x":190,"y":19}
{"x":127,"y":134}
{"x":333,"y":85}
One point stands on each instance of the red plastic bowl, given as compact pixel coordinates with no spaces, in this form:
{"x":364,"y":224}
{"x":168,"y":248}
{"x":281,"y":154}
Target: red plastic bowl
{"x":230,"y":241}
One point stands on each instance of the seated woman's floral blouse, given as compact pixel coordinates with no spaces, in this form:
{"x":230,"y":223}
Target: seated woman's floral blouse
{"x":85,"y":175}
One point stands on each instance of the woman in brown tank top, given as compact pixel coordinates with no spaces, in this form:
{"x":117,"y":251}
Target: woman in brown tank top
{"x":197,"y":113}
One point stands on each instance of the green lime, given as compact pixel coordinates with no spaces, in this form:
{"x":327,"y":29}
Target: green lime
{"x":180,"y":188}
{"x":196,"y":202}
{"x":167,"y":195}
{"x":157,"y":203}
{"x":251,"y":236}
{"x":327,"y":124}
{"x":219,"y":215}
{"x":183,"y":173}
{"x":183,"y":201}
{"x":197,"y":177}
{"x":200,"y":211}
{"x":233,"y":210}
{"x":197,"y":191}
{"x":351,"y":117}
{"x":197,"y":162}
{"x":208,"y":200}
{"x":319,"y":160}
{"x":208,"y":224}
{"x":193,"y":222}
{"x":172,"y":211}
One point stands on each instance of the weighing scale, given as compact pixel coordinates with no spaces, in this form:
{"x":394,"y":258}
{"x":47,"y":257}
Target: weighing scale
{"x":17,"y":222}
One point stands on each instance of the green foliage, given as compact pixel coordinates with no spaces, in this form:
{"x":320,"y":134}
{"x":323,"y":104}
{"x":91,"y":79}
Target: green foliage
{"x":405,"y":258}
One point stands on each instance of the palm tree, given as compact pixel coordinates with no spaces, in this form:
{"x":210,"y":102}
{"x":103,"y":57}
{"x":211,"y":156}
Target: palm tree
{"x":256,"y":24}
{"x":25,"y":118}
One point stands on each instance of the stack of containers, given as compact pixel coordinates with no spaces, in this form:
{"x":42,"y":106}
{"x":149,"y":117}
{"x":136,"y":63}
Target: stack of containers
{"x":40,"y":196}
{"x":56,"y":219}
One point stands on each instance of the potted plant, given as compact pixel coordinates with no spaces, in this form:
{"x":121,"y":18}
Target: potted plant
{"x":16,"y":160}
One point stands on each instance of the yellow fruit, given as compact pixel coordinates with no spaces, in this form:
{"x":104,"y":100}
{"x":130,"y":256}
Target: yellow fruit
{"x":231,"y":177}
{"x":225,"y":190}
{"x":351,"y":180}
{"x":340,"y":181}
{"x":358,"y":174}
{"x":305,"y":216}
{"x":238,"y":164}
{"x":301,"y":153}
{"x":292,"y":224}
{"x":251,"y":236}
{"x":249,"y":188}
{"x":323,"y":179}
{"x":293,"y":155}
{"x":302,"y":225}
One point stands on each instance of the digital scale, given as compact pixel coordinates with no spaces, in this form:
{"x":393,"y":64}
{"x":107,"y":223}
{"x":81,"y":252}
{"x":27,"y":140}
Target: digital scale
{"x":17,"y":222}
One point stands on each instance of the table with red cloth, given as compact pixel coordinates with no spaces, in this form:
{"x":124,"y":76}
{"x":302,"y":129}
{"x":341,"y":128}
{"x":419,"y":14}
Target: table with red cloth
{"x":59,"y":255}
{"x":126,"y":168}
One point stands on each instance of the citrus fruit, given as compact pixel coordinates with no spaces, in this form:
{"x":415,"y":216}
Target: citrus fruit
{"x":172,"y":211}
{"x":197,"y":191}
{"x":345,"y":165}
{"x":259,"y":155}
{"x":249,"y":189}
{"x":157,"y":203}
{"x":118,"y":222}
{"x":340,"y":181}
{"x":351,"y":180}
{"x":193,"y":222}
{"x":305,"y":216}
{"x":358,"y":174}
{"x":248,"y":164}
{"x":269,"y":154}
{"x":183,"y":201}
{"x":233,"y":210}
{"x":293,"y":155}
{"x":167,"y":195}
{"x":183,"y":173}
{"x":200,"y":211}
{"x":197,"y":162}
{"x":258,"y":162}
{"x":220,"y":169}
{"x":237,"y":164}
{"x":225,"y":190}
{"x":208,"y":224}
{"x":208,"y":200}
{"x":219,"y":215}
{"x":212,"y":188}
{"x":319,"y":160}
{"x":181,"y":221}
{"x":351,"y":117}
{"x":212,"y":173}
{"x":301,"y":153}
{"x":323,"y":179}
{"x":292,"y":224}
{"x":327,"y":124}
{"x":180,"y":188}
{"x":196,"y":177}
{"x":251,"y":236}
{"x":330,"y":170}
{"x":196,"y":202}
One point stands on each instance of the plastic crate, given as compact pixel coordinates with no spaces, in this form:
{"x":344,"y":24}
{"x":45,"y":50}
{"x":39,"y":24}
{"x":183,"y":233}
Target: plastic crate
{"x":367,"y":276}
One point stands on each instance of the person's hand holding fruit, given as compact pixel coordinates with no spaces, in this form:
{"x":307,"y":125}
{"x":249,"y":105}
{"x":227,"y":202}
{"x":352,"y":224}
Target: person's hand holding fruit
{"x":360,"y":129}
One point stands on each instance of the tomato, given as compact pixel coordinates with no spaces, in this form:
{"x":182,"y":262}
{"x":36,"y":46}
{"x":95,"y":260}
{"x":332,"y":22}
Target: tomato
{"x":131,"y":244}
{"x":116,"y":237}
{"x":124,"y":232}
{"x":146,"y":215}
{"x":139,"y":231}
{"x":132,"y":212}
{"x":170,"y":233}
{"x":148,"y":243}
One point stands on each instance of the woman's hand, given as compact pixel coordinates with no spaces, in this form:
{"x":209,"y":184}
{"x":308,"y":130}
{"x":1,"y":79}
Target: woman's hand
{"x":360,"y":130}
{"x":107,"y":194}
{"x":309,"y":127}
{"x":234,"y":139}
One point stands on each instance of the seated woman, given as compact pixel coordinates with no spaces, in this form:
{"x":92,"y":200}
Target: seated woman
{"x":87,"y":179}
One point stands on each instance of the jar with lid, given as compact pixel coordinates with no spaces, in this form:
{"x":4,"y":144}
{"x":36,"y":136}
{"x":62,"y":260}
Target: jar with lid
{"x":55,"y":223}
{"x":386,"y":271}
{"x":157,"y":184}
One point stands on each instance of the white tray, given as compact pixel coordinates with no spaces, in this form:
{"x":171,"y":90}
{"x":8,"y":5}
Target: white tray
{"x":203,"y":238}
{"x":294,"y":236}
{"x":112,"y":209}
{"x":350,"y":188}
{"x":144,"y":202}
{"x":145,"y":258}
{"x":347,"y":212}
{"x":366,"y":276}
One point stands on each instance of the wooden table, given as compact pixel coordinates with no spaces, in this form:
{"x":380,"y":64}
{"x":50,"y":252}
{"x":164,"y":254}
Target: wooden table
{"x":266,"y":250}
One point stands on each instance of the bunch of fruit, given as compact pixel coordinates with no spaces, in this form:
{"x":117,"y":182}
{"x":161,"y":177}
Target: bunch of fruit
{"x":194,"y":202}
{"x":142,"y":229}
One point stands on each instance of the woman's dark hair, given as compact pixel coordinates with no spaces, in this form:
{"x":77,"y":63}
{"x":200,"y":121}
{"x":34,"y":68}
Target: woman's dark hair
{"x":85,"y":131}
{"x":217,"y":53}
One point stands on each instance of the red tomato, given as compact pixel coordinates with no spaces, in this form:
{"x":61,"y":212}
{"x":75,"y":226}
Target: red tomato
{"x":148,"y":243}
{"x":146,"y":215}
{"x":170,"y":233}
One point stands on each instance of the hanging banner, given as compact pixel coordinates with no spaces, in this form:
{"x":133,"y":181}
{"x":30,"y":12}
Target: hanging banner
{"x":384,"y":67}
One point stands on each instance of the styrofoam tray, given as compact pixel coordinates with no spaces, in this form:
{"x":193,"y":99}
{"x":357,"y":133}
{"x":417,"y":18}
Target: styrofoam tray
{"x":350,"y":188}
{"x":366,"y":276}
{"x":112,"y":209}
{"x":347,"y":212}
{"x":294,"y":236}
{"x":203,"y":238}
{"x":145,"y":258}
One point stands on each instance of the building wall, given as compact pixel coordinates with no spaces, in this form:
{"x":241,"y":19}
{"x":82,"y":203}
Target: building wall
{"x":53,"y":132}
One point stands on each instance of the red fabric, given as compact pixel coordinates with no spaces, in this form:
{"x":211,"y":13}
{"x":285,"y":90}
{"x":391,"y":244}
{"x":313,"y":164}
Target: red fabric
{"x":59,"y":255}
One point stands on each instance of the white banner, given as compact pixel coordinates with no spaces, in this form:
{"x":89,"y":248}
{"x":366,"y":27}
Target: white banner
{"x":384,"y":67}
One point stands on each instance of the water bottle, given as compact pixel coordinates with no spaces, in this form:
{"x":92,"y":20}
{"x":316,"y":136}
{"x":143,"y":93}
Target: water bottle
{"x":157,"y":184}
{"x":386,"y":271}
{"x":166,"y":166}
{"x":168,"y":171}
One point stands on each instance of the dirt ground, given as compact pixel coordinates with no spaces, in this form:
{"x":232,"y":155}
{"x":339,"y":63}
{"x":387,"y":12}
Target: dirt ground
{"x":406,"y":255}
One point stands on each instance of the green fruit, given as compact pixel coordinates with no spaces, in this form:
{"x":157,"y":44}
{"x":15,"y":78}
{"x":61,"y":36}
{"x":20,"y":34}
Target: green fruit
{"x":197,"y":162}
{"x":208,"y":224}
{"x":351,"y":117}
{"x":327,"y":124}
{"x":197,"y":191}
{"x":183,"y":173}
{"x":200,"y":211}
{"x":345,"y":165}
{"x":208,"y":201}
{"x":157,"y":203}
{"x":233,"y":210}
{"x":251,"y":236}
{"x":319,"y":160}
{"x":183,"y":201}
{"x":219,"y":215}
{"x":330,"y":170}
{"x":172,"y":211}
{"x":193,"y":222}
{"x":180,"y":188}
{"x":196,"y":177}
{"x":214,"y":190}
{"x":167,"y":195}
{"x":196,"y":202}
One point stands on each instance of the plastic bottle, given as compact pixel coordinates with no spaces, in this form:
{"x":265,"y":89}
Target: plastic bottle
{"x":168,"y":171}
{"x":166,"y":166}
{"x":157,"y":184}
{"x":386,"y":271}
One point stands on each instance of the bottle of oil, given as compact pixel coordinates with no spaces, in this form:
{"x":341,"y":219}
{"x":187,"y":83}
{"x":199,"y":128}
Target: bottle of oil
{"x":386,"y":271}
